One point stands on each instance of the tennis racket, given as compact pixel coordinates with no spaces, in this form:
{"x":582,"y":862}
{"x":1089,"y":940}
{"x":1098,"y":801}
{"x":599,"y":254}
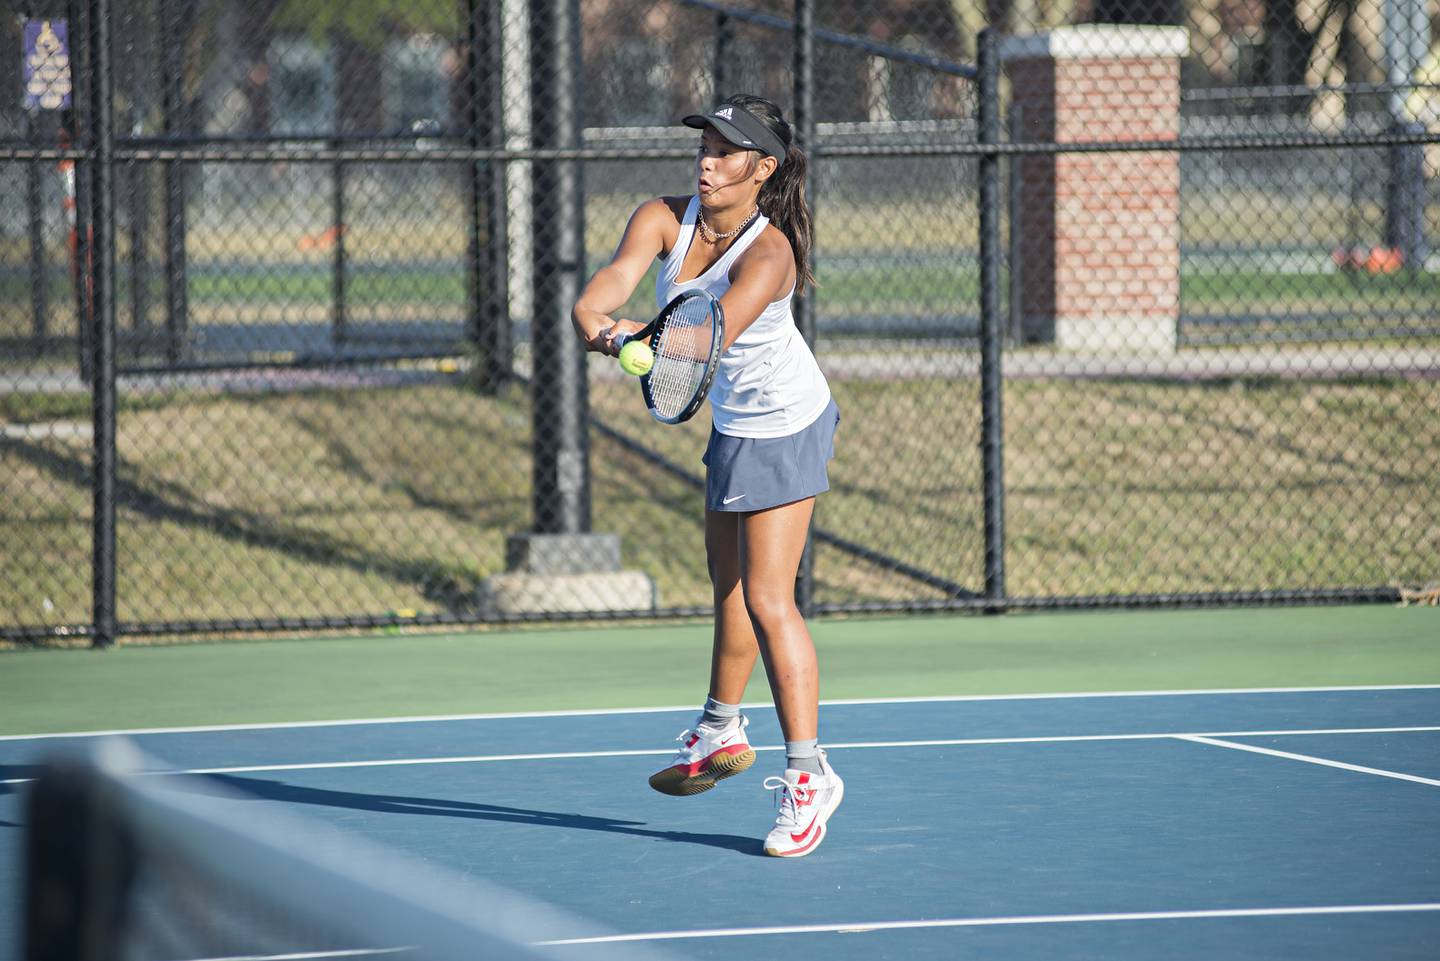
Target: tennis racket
{"x":686,"y":338}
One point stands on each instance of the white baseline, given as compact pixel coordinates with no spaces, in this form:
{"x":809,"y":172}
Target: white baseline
{"x":605,"y":712}
{"x":842,"y":746}
{"x":858,"y":927}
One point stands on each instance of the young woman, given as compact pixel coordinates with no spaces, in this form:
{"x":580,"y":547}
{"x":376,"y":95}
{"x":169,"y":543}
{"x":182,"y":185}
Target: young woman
{"x":745,"y":237}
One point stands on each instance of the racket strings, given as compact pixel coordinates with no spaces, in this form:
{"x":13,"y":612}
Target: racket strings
{"x":682,"y":356}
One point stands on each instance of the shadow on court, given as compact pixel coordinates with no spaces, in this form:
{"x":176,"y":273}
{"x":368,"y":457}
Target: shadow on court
{"x":441,"y":807}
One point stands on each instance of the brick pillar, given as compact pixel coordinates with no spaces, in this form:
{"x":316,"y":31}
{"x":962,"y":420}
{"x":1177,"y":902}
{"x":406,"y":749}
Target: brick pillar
{"x":1099,"y":233}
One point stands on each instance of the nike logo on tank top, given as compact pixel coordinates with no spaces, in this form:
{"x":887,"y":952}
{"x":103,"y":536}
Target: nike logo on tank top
{"x":767,"y":383}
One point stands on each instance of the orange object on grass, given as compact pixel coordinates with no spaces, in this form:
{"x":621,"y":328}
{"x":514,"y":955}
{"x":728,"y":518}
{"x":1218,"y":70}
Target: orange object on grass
{"x":321,"y":241}
{"x":1384,"y":260}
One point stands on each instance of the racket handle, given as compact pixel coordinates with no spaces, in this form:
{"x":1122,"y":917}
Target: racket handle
{"x":620,"y":339}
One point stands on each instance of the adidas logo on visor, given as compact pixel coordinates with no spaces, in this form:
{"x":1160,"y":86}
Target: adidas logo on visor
{"x":725,"y":113}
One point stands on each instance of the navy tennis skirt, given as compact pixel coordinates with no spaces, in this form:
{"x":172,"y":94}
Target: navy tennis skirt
{"x":754,"y":473}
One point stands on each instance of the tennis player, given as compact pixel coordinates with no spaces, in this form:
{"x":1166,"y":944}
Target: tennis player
{"x":745,"y":237}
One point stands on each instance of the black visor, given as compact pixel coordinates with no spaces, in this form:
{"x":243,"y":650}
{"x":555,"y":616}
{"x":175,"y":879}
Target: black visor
{"x":741,"y":128}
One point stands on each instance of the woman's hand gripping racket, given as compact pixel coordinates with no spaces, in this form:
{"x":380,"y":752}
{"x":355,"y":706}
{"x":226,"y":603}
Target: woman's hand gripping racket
{"x":686,"y":339}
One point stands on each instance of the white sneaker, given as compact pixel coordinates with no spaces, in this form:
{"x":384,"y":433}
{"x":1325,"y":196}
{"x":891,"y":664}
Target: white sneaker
{"x":806,"y":803}
{"x":709,"y":755}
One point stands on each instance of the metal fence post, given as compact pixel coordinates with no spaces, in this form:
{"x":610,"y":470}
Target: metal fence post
{"x":1405,"y":197}
{"x":139,"y":202}
{"x":131,"y":70}
{"x":805,"y":133}
{"x":339,"y":318}
{"x":1016,"y":200}
{"x":173,"y":23}
{"x":991,"y":323}
{"x":35,"y":205}
{"x":804,"y":81}
{"x":720,"y":73}
{"x":560,"y":398}
{"x":487,"y":325}
{"x":339,"y":312}
{"x":76,"y":131}
{"x":103,"y":318}
{"x":1405,"y":36}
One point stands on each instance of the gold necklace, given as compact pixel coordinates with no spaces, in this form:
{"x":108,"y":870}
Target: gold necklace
{"x":711,"y":237}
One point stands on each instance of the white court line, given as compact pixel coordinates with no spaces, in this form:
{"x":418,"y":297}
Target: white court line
{"x":1308,"y":759}
{"x":857,"y":927}
{"x":605,"y":712}
{"x":853,"y":745}
{"x":311,"y":955}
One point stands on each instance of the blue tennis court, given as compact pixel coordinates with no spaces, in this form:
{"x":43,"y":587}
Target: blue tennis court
{"x":1231,"y":824}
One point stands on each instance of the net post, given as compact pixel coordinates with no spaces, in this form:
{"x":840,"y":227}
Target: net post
{"x":102,"y":319}
{"x":77,"y":864}
{"x":991,"y":323}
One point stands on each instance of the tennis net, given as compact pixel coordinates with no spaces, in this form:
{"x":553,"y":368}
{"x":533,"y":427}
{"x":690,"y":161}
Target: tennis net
{"x":125,"y":862}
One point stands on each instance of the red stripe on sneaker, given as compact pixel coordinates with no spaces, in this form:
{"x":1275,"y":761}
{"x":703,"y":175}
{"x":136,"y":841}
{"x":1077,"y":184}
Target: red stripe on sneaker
{"x":800,"y":838}
{"x":695,"y":768}
{"x":813,"y":841}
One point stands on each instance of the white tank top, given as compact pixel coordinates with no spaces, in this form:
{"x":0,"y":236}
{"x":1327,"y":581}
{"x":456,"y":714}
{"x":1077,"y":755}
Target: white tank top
{"x":767,"y":383}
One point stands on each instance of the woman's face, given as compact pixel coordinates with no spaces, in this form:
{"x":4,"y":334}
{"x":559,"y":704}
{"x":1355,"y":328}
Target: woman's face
{"x":723,"y":171}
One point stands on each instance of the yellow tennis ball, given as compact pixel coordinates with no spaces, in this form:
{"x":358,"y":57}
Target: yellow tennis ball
{"x":636,"y":358}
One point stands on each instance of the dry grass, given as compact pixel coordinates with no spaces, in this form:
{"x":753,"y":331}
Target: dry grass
{"x":368,"y":500}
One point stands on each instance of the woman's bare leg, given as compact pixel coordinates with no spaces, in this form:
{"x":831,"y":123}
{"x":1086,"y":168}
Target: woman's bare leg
{"x":732,"y":658}
{"x":771,"y":544}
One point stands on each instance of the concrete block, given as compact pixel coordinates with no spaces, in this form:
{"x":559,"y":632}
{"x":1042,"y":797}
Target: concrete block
{"x":519,"y":592}
{"x":562,"y":553}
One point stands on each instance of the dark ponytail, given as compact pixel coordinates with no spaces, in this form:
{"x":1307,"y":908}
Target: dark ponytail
{"x":782,"y":198}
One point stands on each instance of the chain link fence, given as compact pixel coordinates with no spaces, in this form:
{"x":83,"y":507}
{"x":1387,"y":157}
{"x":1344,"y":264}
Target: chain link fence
{"x":1147,"y":313}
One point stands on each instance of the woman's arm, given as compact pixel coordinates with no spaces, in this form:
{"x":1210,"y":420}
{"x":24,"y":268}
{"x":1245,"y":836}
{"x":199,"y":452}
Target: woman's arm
{"x":613,"y":284}
{"x":760,"y":276}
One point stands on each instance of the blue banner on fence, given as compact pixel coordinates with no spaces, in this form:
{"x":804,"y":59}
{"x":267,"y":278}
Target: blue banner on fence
{"x":47,"y":65}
